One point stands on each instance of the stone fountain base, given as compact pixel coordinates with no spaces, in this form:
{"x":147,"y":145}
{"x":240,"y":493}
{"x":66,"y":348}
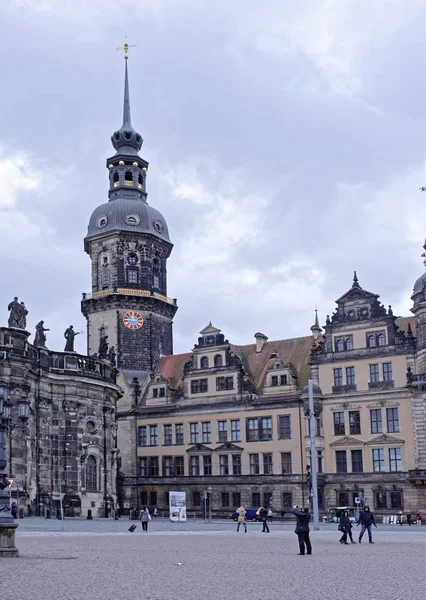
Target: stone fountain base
{"x":7,"y":540}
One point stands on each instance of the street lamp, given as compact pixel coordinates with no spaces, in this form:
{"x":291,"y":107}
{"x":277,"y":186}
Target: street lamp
{"x":209,"y":491}
{"x":7,"y":524}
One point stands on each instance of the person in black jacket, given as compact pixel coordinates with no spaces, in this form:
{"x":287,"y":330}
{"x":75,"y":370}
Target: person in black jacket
{"x":345,"y":526}
{"x":366,"y":519}
{"x":264,"y":518}
{"x":302,"y":529}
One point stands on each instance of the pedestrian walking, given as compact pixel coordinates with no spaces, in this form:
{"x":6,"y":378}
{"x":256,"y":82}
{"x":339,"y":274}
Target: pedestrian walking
{"x":419,"y":518}
{"x":366,"y":520}
{"x":155,"y":513}
{"x":242,"y":518}
{"x":282,"y":515}
{"x":264,"y":518}
{"x":345,"y":526}
{"x":302,"y":529}
{"x":145,"y":517}
{"x":270,"y":514}
{"x":400,"y":518}
{"x":409,"y":519}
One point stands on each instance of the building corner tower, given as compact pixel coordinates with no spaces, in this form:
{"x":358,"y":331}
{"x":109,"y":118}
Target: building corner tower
{"x":128,"y":243}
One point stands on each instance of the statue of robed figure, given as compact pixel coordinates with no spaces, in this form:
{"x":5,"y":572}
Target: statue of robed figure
{"x":40,"y":337}
{"x":18,"y":314}
{"x":69,"y":335}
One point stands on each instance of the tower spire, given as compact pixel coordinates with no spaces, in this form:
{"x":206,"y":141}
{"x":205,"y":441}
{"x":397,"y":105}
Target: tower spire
{"x":127,"y":122}
{"x":316,"y":329}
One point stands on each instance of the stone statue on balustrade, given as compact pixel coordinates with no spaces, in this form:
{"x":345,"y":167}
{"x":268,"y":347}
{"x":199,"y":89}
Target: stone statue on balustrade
{"x":18,"y":314}
{"x":69,"y":335}
{"x":112,"y":355}
{"x":40,"y":336}
{"x":103,"y":347}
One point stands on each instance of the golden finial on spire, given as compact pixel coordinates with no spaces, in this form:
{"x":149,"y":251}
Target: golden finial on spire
{"x":126,"y":48}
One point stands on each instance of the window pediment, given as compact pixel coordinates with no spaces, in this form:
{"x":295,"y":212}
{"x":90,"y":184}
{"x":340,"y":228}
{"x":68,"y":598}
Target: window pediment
{"x":199,"y":449}
{"x":347,"y":440}
{"x":230,"y":447}
{"x":385,"y":439}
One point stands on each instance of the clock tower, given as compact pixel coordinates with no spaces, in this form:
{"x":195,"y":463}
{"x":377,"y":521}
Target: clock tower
{"x":128,"y":243}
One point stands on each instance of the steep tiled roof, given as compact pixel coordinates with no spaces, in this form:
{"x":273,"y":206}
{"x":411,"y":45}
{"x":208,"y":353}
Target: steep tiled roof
{"x":171,"y":368}
{"x":402,"y":323}
{"x":295,"y":351}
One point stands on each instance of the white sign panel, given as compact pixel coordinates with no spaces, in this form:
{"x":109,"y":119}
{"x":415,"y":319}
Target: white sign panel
{"x":357,"y":500}
{"x":177,"y":504}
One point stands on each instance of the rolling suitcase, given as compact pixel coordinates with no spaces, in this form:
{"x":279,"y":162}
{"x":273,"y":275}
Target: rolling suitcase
{"x":132,"y":528}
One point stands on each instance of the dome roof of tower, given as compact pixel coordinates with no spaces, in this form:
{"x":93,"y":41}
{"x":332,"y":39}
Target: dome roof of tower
{"x":316,"y":391}
{"x":420,"y":284}
{"x":128,"y":214}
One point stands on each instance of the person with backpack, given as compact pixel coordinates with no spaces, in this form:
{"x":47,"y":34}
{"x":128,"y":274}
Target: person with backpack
{"x":302,"y":529}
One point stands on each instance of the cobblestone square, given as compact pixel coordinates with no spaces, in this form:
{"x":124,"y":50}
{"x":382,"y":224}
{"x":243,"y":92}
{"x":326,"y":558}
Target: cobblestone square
{"x":101,"y":560}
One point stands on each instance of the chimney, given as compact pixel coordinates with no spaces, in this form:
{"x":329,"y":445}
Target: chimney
{"x":260,"y":341}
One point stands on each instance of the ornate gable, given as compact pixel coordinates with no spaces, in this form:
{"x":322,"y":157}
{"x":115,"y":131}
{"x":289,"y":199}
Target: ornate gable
{"x":384,"y":438}
{"x":347,"y":440}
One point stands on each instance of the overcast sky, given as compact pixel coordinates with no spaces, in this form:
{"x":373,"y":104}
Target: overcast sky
{"x":286,"y":141}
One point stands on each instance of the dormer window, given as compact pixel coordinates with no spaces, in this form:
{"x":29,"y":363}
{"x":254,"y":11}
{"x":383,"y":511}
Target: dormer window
{"x":274,"y":380}
{"x":381,"y":339}
{"x":128,"y":178}
{"x":283,"y":380}
{"x":204,"y":362}
{"x":218,"y":361}
{"x":371,"y":341}
{"x":340,"y":346}
{"x":348,"y":344}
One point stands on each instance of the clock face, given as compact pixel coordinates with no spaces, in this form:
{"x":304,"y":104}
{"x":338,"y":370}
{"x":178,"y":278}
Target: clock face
{"x":133,"y":320}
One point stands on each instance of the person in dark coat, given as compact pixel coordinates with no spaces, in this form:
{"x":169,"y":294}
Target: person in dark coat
{"x":264,"y":518}
{"x":302,"y":529}
{"x":366,"y":519}
{"x":345,"y":526}
{"x":409,"y":519}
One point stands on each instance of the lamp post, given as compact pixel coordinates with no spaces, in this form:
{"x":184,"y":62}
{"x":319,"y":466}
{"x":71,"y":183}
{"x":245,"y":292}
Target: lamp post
{"x":209,"y":492}
{"x":7,"y":524}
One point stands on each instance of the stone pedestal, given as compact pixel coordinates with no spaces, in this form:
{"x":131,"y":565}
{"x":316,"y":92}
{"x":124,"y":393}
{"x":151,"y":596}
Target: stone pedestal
{"x":7,"y":540}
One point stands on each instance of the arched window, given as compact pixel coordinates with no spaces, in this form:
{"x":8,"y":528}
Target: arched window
{"x":371,"y":341}
{"x":128,"y":178}
{"x":339,"y":346}
{"x":381,"y":339}
{"x":105,"y":272}
{"x":132,"y":259}
{"x":348,"y":344}
{"x":218,"y":362}
{"x":91,"y":475}
{"x":204,"y":362}
{"x":116,"y":179}
{"x":140,"y":181}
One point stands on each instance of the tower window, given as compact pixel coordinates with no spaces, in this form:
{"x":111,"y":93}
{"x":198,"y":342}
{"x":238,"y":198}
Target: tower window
{"x":132,"y":259}
{"x":156,"y":282}
{"x":105,"y":276}
{"x":91,"y":474}
{"x":132,"y":276}
{"x":140,"y":181}
{"x":204,"y":362}
{"x":156,"y":264}
{"x":116,"y":180}
{"x":128,"y":178}
{"x":218,"y":360}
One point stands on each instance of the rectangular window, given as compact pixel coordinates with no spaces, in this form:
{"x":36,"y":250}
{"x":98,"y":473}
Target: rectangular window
{"x":144,"y":498}
{"x":196,"y":499}
{"x":203,"y":385}
{"x":342,"y":498}
{"x":387,"y":372}
{"x":338,"y":377}
{"x":376,"y":420}
{"x":154,"y":466}
{"x":339,"y":423}
{"x":207,"y":464}
{"x":153,"y":435}
{"x":395,"y":463}
{"x":357,"y":465}
{"x":193,"y":433}
{"x":392,"y":418}
{"x":236,"y":499}
{"x":317,"y":426}
{"x":168,"y":466}
{"x":350,"y":375}
{"x":354,"y":422}
{"x":374,"y":373}
{"x":224,"y":383}
{"x":254,"y":464}
{"x":223,"y":464}
{"x":142,"y":441}
{"x":179,"y":466}
{"x":235,"y":431}
{"x":319,"y":461}
{"x":222,"y":431}
{"x":286,"y":463}
{"x":229,"y":383}
{"x":207,"y":432}
{"x":287,"y":499}
{"x":268,"y":468}
{"x":225,"y":499}
{"x":252,"y":430}
{"x":396,"y":499}
{"x":179,"y":435}
{"x":156,"y":282}
{"x":266,"y":428}
{"x":380,"y":500}
{"x":341,"y":463}
{"x":132,"y":276}
{"x":153,"y":498}
{"x":143,"y":466}
{"x":378,"y":460}
{"x":283,"y":379}
{"x":194,"y":465}
{"x":236,"y":464}
{"x":199,"y":386}
{"x":274,"y":380}
{"x":162,"y":392}
{"x":284,"y":429}
{"x":168,"y":435}
{"x":255,"y":499}
{"x":155,"y":393}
